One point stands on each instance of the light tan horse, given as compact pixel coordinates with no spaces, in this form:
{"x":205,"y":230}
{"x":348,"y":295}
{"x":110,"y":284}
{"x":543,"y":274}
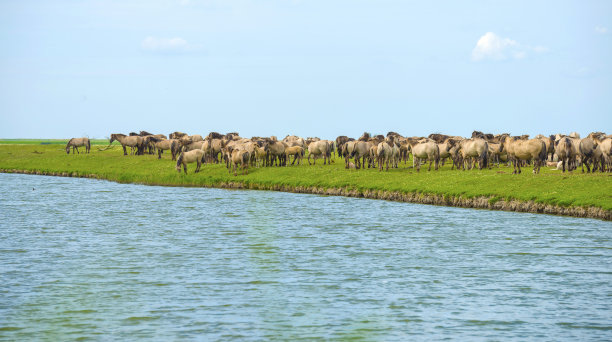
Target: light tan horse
{"x":318,"y":149}
{"x":297,"y":152}
{"x":189,"y":157}
{"x":532,"y":149}
{"x":134,"y":142}
{"x":472,"y":150}
{"x":164,"y":144}
{"x":77,"y":142}
{"x":384,"y":153}
{"x":361,"y":153}
{"x":425,"y":149}
{"x":565,"y":153}
{"x":261,"y":154}
{"x":240,"y":157}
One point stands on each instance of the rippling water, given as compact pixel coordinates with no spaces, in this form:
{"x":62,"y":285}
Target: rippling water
{"x":93,"y":259}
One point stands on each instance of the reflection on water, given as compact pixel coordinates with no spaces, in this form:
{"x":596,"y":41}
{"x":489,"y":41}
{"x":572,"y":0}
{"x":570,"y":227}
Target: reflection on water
{"x":94,"y":259}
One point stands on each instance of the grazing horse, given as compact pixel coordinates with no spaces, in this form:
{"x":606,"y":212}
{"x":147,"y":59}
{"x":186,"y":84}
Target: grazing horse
{"x":76,"y":142}
{"x":424,"y":150}
{"x":189,"y":157}
{"x":532,"y":149}
{"x":135,"y":142}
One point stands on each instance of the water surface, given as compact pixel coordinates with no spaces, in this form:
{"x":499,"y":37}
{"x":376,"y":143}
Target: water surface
{"x":87,"y":259}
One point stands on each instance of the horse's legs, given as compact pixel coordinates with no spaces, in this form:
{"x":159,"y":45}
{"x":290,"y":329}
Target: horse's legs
{"x":185,"y":167}
{"x":198,"y":167}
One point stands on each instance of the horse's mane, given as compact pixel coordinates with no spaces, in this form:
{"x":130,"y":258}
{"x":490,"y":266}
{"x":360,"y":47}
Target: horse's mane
{"x":365,"y":136}
{"x":145,"y":133}
{"x":214,"y":135}
{"x":132,"y":134}
{"x":438,"y":138}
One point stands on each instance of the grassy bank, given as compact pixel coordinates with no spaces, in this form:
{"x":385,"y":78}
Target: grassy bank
{"x":551,"y":187}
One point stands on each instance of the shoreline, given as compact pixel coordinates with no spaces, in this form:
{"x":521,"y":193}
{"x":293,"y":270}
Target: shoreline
{"x":480,"y":202}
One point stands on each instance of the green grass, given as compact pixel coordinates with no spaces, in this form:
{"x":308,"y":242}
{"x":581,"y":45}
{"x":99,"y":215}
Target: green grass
{"x":47,"y":141}
{"x":550,"y":186}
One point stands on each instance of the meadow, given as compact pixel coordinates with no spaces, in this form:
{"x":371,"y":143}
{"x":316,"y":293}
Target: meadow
{"x":552,"y":187}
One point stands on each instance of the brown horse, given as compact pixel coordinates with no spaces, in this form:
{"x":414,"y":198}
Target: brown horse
{"x":76,"y":142}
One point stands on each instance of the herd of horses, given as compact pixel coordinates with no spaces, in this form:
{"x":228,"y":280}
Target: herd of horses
{"x":566,"y":152}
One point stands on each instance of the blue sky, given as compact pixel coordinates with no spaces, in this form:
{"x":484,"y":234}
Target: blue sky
{"x":310,"y":68}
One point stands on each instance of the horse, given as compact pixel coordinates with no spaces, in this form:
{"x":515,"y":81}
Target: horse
{"x":76,"y":142}
{"x":296,"y":151}
{"x":190,"y":157}
{"x":445,"y":148}
{"x":565,"y":153}
{"x":424,"y":150}
{"x":384,"y":152}
{"x":176,"y":135}
{"x":240,"y":157}
{"x":276,"y":151}
{"x":135,"y":142}
{"x":319,"y":148}
{"x":260,"y":152}
{"x":164,"y":144}
{"x":474,"y":149}
{"x":532,"y":149}
{"x":589,"y":153}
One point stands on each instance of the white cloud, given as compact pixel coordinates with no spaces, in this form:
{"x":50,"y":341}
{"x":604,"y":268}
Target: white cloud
{"x":492,"y":46}
{"x":601,"y":29}
{"x":165,"y":44}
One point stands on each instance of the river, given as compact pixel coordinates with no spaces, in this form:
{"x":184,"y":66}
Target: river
{"x":88,"y":259}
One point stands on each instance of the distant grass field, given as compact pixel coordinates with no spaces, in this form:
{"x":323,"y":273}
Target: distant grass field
{"x":550,"y":186}
{"x":48,"y":141}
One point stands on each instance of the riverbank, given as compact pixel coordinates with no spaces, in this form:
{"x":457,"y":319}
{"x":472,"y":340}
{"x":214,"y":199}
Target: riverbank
{"x":551,"y":192}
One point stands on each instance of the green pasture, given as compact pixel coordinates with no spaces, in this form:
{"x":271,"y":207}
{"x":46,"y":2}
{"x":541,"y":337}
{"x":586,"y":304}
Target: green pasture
{"x":47,"y":141}
{"x":550,"y":186}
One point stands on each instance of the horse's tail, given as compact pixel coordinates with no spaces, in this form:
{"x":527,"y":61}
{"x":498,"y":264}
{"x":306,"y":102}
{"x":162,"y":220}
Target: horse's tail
{"x":484,"y":156}
{"x":88,"y":143}
{"x":543,"y":153}
{"x":179,"y":160}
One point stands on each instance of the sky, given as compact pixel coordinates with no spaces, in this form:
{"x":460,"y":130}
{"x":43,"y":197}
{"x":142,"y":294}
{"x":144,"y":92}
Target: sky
{"x":309,"y":68}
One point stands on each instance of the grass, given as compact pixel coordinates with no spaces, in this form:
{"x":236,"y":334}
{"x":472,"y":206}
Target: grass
{"x":47,"y":141}
{"x":549,"y":187}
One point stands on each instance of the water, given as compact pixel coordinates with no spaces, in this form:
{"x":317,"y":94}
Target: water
{"x":86,"y":259}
